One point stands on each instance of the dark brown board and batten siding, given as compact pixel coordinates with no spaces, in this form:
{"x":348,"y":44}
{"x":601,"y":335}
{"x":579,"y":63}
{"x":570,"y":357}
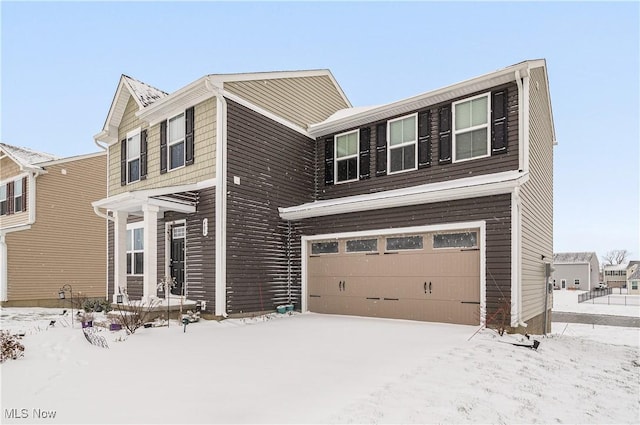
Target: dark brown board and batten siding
{"x":275,"y":168}
{"x":504,"y":161}
{"x":495,"y":210}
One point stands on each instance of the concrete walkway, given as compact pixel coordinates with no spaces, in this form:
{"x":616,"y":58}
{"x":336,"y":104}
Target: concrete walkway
{"x":595,"y":319}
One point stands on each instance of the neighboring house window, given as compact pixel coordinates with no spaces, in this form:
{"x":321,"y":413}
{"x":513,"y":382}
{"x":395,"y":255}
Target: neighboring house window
{"x":634,"y":284}
{"x":18,"y":200}
{"x":135,"y":249}
{"x":175,"y":141}
{"x":133,"y":157}
{"x":3,"y":199}
{"x":576,"y":282}
{"x":471,"y":128}
{"x":346,"y":157}
{"x":402,"y":143}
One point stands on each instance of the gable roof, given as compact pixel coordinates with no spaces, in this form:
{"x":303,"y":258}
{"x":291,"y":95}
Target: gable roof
{"x":26,"y":158}
{"x":355,"y":117}
{"x":573,"y":257}
{"x":144,"y":94}
{"x":636,"y":274}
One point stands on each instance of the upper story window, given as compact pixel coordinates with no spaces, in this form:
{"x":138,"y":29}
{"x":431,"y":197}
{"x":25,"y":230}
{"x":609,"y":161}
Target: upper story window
{"x":3,"y":200}
{"x":402,"y":144}
{"x":135,"y":249}
{"x":346,"y":149}
{"x":133,"y":156}
{"x":471,"y":128}
{"x":18,"y":199}
{"x":175,"y":141}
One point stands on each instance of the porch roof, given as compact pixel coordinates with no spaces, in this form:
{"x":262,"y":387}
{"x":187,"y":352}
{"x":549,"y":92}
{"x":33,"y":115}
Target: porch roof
{"x":181,"y":198}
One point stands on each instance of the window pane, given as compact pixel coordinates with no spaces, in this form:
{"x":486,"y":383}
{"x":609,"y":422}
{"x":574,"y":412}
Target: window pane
{"x":176,"y":128}
{"x":406,"y":242}
{"x":128,"y":263}
{"x":176,"y":158}
{"x":347,"y":169}
{"x":3,"y":192}
{"x":479,"y":143}
{"x":396,"y":160}
{"x":363,"y":245}
{"x":324,"y":247}
{"x":18,"y":204}
{"x":479,"y":111}
{"x":346,"y":145}
{"x":134,"y":170}
{"x":409,"y":129}
{"x":138,"y":240}
{"x":352,"y":141}
{"x":395,"y":133}
{"x":3,"y":207}
{"x":133,"y":147}
{"x":17,"y":187}
{"x":139,"y":262}
{"x":463,"y":115}
{"x":456,"y":240}
{"x":409,"y":157}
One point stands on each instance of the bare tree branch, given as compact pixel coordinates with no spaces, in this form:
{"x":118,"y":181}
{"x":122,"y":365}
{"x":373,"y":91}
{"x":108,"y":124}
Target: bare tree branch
{"x":615,"y":257}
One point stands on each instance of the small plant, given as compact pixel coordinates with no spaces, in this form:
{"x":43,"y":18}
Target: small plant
{"x":136,"y":314}
{"x":11,"y":346}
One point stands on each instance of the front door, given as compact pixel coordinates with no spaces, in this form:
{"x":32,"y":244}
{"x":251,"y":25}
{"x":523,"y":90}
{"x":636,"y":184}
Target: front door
{"x":176,"y":263}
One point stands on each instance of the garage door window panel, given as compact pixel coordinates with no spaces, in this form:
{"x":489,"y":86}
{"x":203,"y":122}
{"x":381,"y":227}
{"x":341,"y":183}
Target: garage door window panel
{"x":455,"y":240}
{"x":318,"y":248}
{"x":362,"y":245}
{"x":404,"y":243}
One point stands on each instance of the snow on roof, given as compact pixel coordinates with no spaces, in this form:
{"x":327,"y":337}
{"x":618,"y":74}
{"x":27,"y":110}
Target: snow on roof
{"x":344,"y":113}
{"x":573,"y":257}
{"x":636,"y":274}
{"x":26,"y":156}
{"x":145,"y":93}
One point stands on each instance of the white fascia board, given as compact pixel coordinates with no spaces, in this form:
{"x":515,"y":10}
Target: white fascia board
{"x":268,"y":75}
{"x":471,"y":187}
{"x":423,"y":100}
{"x":71,"y":158}
{"x":176,"y":102}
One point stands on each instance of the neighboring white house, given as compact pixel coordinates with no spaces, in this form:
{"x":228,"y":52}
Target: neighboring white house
{"x":615,"y":275}
{"x":575,"y":270}
{"x":633,"y":278}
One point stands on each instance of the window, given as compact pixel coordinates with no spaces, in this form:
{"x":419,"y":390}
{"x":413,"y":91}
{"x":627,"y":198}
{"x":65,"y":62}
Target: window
{"x":324,"y":247}
{"x":471,"y":128}
{"x":133,"y":157}
{"x":402,"y":144}
{"x":18,"y":202}
{"x":3,"y":199}
{"x":346,"y":157}
{"x":404,"y":242}
{"x":576,"y":282}
{"x":455,"y":240}
{"x":634,"y":284}
{"x":175,"y":142}
{"x":135,"y":249}
{"x":362,"y":245}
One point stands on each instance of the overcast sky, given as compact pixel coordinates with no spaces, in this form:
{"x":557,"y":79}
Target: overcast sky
{"x":61,"y":63}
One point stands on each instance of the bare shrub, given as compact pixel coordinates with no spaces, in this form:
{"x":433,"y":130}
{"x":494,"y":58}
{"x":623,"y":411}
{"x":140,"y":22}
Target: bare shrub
{"x":12,"y":348}
{"x":135,"y":314}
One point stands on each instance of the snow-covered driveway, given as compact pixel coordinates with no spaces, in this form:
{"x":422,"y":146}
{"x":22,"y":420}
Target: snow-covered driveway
{"x":316,"y":368}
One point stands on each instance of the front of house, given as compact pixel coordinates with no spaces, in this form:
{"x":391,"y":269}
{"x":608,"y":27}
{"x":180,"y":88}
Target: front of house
{"x":255,"y":190}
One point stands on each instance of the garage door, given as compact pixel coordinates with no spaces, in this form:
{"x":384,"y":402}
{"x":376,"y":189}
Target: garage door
{"x":426,"y":276}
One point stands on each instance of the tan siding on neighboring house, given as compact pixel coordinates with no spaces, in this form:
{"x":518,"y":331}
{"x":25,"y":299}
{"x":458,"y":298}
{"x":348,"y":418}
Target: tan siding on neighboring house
{"x":537,"y":199}
{"x":67,"y":243}
{"x":300,"y":100}
{"x":13,"y":220}
{"x":203,"y":167}
{"x":8,"y":168}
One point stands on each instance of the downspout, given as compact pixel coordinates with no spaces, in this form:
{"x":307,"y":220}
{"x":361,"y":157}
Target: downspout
{"x":105,"y":216}
{"x":221,"y":200}
{"x":4,"y":293}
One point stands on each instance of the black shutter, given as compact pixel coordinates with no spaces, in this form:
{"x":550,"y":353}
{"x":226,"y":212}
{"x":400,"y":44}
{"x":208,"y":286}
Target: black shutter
{"x":499,"y":122}
{"x":143,"y":155}
{"x":424,"y":139}
{"x":10,"y":199}
{"x":188,"y":136}
{"x":24,"y":194}
{"x":123,"y":162}
{"x":328,"y":161}
{"x":444,"y":132}
{"x":365,"y":156}
{"x":381,"y":149}
{"x":163,"y":147}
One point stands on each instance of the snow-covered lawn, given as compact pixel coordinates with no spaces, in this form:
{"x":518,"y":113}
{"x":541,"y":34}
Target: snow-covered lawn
{"x":311,"y":368}
{"x":614,"y":304}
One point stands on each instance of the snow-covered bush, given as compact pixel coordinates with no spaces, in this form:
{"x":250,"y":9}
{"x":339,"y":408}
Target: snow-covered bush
{"x":11,"y":346}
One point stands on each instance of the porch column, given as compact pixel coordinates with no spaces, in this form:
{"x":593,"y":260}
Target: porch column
{"x":150,"y":267}
{"x":120,"y":253}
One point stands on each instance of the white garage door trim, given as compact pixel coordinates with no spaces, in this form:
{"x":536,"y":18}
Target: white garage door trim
{"x":416,"y":229}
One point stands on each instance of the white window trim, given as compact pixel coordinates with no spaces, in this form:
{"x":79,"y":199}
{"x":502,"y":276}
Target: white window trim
{"x":414,"y":143}
{"x":182,"y":140}
{"x":470,"y":129}
{"x":132,"y":227}
{"x":356,"y":156}
{"x":130,"y":135}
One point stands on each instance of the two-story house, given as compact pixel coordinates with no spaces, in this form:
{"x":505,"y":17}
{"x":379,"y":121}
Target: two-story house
{"x":437,"y":207}
{"x":576,"y":270}
{"x":49,"y":234}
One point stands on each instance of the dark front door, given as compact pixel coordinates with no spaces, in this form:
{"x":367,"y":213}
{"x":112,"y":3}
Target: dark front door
{"x":177,"y":259}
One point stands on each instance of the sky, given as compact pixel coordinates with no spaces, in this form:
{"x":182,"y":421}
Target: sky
{"x":61,"y":63}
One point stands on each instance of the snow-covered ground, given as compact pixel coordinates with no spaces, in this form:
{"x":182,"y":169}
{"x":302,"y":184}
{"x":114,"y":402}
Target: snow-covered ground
{"x":311,"y":368}
{"x":614,"y":304}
